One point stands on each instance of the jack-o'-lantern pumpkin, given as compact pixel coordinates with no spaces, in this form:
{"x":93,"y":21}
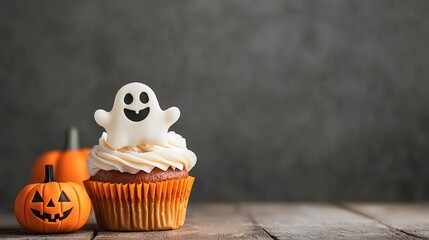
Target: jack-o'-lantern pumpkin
{"x":70,"y":164}
{"x":52,"y":207}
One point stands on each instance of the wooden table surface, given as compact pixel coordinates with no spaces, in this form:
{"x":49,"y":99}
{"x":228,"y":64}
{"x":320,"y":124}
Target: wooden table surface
{"x":270,"y":221}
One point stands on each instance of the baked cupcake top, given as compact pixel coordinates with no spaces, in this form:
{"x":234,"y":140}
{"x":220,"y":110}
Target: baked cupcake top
{"x":137,"y":136}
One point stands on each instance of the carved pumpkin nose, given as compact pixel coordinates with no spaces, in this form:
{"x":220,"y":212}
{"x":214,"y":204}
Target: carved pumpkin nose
{"x":50,"y":204}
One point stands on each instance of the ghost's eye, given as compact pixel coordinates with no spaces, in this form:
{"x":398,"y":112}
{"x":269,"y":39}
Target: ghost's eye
{"x":144,"y":98}
{"x":128,"y":99}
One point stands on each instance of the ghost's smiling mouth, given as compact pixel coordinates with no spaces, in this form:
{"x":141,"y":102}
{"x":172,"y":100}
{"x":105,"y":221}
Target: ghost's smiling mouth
{"x":136,"y":117}
{"x":47,"y":216}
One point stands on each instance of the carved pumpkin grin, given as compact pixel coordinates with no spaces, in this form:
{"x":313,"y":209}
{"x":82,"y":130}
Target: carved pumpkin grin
{"x":47,"y":216}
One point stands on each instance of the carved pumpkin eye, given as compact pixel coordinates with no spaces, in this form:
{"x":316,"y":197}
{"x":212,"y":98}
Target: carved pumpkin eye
{"x":37,"y":198}
{"x":63,"y":198}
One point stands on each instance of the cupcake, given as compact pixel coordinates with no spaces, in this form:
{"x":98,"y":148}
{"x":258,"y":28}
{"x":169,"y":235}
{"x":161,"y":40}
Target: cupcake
{"x":139,"y":170}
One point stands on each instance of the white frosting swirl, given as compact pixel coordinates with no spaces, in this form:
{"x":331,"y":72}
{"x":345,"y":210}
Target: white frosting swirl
{"x":173,"y":154}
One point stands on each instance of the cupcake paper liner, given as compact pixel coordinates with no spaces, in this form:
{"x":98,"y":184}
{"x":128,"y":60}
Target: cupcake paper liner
{"x":140,"y":206}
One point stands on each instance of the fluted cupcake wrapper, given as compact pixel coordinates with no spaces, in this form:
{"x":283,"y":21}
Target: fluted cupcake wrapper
{"x":140,"y":206}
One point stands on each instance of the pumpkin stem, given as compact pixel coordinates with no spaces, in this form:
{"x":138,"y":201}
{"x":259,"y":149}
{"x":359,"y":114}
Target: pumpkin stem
{"x":72,"y":139}
{"x":49,"y":174}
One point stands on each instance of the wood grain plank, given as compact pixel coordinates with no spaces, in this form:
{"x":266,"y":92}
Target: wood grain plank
{"x":316,"y":221}
{"x":410,"y":218}
{"x":203,"y":221}
{"x":10,"y":229}
{"x":20,"y":233}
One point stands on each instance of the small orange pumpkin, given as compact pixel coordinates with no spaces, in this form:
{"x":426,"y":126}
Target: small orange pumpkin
{"x":52,"y":207}
{"x":70,"y":165}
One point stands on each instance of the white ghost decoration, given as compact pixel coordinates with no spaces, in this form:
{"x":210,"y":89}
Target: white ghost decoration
{"x":136,"y":118}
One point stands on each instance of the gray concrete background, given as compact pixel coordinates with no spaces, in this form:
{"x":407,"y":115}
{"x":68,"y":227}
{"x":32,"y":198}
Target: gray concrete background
{"x":280,"y":100}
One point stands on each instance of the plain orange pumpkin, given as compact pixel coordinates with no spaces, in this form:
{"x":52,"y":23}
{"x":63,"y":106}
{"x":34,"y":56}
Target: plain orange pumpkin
{"x":52,"y":207}
{"x":69,"y":164}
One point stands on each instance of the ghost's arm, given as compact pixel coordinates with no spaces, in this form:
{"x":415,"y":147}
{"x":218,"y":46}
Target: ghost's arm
{"x":102,"y":117}
{"x":172,"y":115}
